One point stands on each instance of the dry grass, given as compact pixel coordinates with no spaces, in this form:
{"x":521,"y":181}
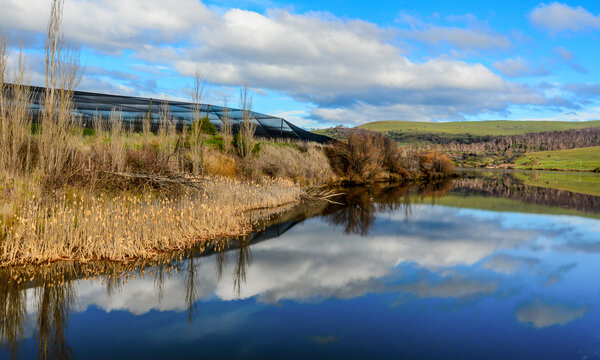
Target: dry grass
{"x":63,"y":74}
{"x":303,"y":163}
{"x":122,"y":227}
{"x":217,"y":163}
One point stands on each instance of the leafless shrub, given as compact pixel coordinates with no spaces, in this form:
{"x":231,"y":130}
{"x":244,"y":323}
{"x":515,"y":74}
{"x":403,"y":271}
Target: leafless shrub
{"x":370,"y":156}
{"x":360,"y":159}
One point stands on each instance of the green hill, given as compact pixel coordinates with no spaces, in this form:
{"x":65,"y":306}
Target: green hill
{"x":580,"y":159}
{"x":477,"y":128}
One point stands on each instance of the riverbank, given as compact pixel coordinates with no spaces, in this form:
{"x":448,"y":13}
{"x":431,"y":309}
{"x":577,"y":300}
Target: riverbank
{"x":75,"y":227}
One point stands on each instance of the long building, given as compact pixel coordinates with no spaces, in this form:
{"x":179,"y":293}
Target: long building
{"x":134,"y":110}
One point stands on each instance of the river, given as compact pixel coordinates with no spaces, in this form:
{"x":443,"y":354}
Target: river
{"x":484,"y":266}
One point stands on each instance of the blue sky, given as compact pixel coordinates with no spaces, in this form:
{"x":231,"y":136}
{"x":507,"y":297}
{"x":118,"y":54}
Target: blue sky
{"x":338,"y":62}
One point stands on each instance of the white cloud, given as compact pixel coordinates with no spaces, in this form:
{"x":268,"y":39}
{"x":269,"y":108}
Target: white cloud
{"x":516,"y":67}
{"x":340,"y":66}
{"x":557,"y":17}
{"x":112,"y":25}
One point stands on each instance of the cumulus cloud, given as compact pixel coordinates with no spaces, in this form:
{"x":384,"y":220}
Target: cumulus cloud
{"x":516,"y":67}
{"x":584,"y":92}
{"x":340,"y":66}
{"x":542,"y":314}
{"x":112,"y":25}
{"x":558,"y":17}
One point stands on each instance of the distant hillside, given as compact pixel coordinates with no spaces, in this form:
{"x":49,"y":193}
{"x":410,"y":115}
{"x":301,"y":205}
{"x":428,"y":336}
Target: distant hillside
{"x":488,"y":143}
{"x":476,"y":128}
{"x":580,"y":159}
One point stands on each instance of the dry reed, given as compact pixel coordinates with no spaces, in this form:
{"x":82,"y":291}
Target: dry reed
{"x":244,"y":139}
{"x":122,"y":227}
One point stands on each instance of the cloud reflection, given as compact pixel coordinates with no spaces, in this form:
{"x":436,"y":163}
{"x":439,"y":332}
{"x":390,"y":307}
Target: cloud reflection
{"x":542,"y":314}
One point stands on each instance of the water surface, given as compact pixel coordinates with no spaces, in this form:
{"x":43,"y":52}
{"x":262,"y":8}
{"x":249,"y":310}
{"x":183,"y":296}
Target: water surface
{"x":485,"y":266}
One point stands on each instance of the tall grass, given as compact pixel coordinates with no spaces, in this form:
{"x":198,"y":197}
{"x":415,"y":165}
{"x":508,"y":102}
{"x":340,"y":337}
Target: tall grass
{"x":196,"y":137}
{"x":16,"y":143}
{"x":87,"y":228}
{"x":63,"y":74}
{"x":303,"y":163}
{"x":244,"y":139}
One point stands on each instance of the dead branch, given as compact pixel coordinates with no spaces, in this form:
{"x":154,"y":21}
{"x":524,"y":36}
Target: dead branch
{"x":193,"y":182}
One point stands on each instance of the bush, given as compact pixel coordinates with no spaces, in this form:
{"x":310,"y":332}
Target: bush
{"x":369,"y":156}
{"x":244,"y":145}
{"x":206,"y":127}
{"x":365,"y":157}
{"x":435,"y":164}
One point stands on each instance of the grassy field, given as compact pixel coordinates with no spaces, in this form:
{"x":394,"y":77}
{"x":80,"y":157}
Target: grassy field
{"x":477,"y":128}
{"x":583,"y":183}
{"x":581,"y":159}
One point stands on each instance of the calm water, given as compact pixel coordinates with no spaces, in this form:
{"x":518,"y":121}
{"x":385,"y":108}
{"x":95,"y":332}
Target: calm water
{"x":481,"y":267}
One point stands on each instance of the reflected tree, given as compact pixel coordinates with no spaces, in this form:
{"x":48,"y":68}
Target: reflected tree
{"x":191,"y":293}
{"x":221,"y":263}
{"x":13,"y":312}
{"x":244,"y":260}
{"x":56,"y":298}
{"x":362,"y":204}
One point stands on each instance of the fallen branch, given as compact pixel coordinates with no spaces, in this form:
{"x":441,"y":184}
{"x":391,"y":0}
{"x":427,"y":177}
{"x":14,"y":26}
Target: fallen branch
{"x":193,"y":182}
{"x":315,"y":194}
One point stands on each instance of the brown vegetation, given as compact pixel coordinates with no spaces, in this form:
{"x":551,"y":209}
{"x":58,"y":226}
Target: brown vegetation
{"x":84,"y":228}
{"x":371,"y":156}
{"x":303,"y":163}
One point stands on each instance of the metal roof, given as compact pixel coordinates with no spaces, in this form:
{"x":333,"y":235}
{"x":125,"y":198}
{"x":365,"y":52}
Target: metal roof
{"x":133,"y":110}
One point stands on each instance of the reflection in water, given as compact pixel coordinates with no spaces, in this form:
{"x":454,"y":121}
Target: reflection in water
{"x":13,"y":311}
{"x":504,"y":185}
{"x":361,"y":204}
{"x":244,"y":259}
{"x":541,"y":314}
{"x":191,"y":294}
{"x":55,"y":297}
{"x":416,"y":251}
{"x":55,"y":301}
